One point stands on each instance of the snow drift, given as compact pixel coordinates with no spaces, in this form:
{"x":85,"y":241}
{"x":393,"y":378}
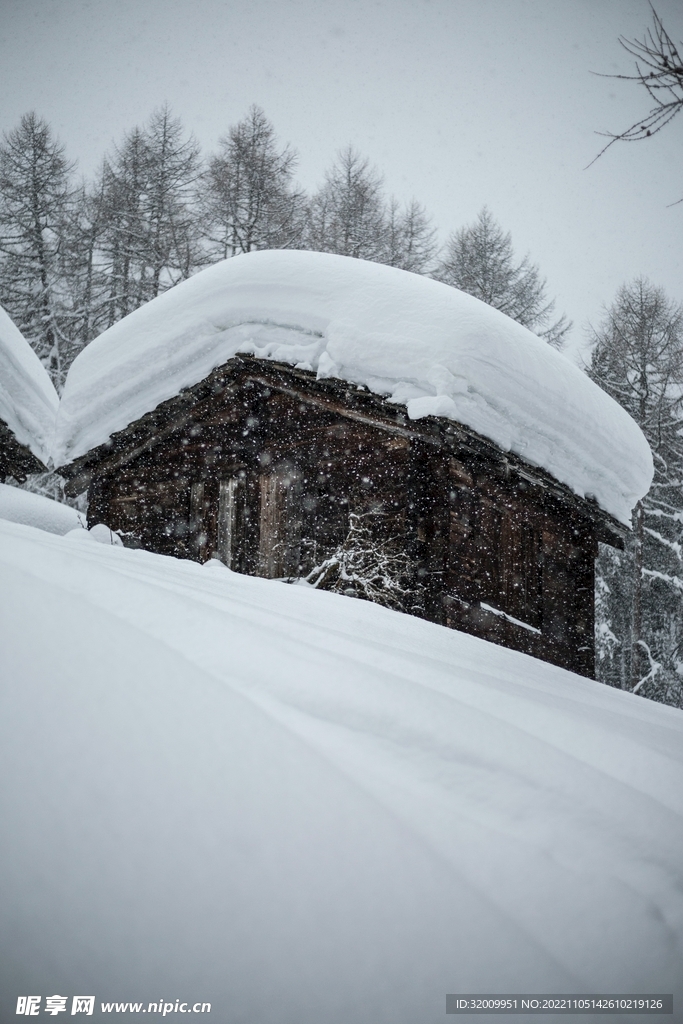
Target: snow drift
{"x":425,"y":345}
{"x":19,"y":506}
{"x":302,"y":807}
{"x":28,"y":400}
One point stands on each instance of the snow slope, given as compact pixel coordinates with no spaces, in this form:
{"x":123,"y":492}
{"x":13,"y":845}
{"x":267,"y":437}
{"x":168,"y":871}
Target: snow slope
{"x":302,"y":807}
{"x":28,"y":400}
{"x":430,"y":347}
{"x":18,"y":506}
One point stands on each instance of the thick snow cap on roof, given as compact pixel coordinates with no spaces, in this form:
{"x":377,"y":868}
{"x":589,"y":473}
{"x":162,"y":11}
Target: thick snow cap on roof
{"x":425,"y":345}
{"x":28,"y":400}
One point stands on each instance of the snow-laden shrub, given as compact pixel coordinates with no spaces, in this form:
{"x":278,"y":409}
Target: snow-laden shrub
{"x":369,"y":566}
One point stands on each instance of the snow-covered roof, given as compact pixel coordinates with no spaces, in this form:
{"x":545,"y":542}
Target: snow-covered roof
{"x":427,"y":346}
{"x":19,"y":506}
{"x":28,"y":400}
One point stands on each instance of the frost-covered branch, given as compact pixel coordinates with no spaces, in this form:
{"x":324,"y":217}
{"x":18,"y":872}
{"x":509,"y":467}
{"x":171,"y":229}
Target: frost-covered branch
{"x":654,"y":574}
{"x":368,"y":566}
{"x":672,"y":545}
{"x":655,"y":667}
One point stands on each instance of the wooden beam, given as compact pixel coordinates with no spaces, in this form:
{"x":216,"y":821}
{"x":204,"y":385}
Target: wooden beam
{"x":339,"y":409}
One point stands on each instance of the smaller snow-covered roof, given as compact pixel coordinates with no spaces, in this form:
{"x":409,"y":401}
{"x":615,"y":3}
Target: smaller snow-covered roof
{"x":423,"y":344}
{"x":28,"y":400}
{"x":19,"y":506}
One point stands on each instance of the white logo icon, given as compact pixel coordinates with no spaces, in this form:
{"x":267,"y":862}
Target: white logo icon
{"x":83,"y":1004}
{"x":55,"y":1004}
{"x":29,"y":1005}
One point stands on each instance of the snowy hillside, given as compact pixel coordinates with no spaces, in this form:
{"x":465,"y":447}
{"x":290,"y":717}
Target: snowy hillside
{"x":28,"y":400}
{"x":302,"y":807}
{"x":429,"y":347}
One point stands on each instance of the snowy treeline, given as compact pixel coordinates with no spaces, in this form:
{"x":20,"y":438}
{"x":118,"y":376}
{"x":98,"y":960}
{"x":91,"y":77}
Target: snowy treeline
{"x":77,"y":256}
{"x":638,"y":359}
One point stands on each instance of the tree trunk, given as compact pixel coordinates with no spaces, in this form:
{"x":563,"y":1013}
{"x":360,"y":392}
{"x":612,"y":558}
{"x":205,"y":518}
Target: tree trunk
{"x":637,"y":613}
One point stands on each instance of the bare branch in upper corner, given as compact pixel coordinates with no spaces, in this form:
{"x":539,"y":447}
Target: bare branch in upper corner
{"x":659,"y":70}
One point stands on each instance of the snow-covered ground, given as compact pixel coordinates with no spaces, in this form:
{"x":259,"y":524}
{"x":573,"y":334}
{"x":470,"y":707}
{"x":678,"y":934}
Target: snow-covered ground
{"x":425,"y":345}
{"x":306,"y":808}
{"x":28,"y":400}
{"x":19,"y":506}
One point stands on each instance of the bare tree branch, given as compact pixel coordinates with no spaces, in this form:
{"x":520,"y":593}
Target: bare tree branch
{"x":659,"y":69}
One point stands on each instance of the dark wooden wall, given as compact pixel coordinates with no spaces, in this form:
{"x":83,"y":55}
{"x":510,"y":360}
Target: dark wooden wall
{"x":15,"y":459}
{"x":263,"y":474}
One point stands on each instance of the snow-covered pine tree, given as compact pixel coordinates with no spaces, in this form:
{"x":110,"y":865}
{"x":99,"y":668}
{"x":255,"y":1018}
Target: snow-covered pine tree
{"x":121,"y":251}
{"x":84,"y":277}
{"x":148,"y":235}
{"x":347,"y":215}
{"x":479,"y":259}
{"x":411,"y":239}
{"x":36,"y":199}
{"x":351,"y":216}
{"x":248,"y":195}
{"x":638,"y":359}
{"x":173,"y":169}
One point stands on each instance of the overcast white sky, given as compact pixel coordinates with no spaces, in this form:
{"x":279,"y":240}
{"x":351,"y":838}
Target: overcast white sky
{"x":460,"y":103}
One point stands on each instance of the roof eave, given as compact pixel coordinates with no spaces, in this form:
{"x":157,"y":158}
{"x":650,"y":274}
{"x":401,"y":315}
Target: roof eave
{"x":359,"y":403}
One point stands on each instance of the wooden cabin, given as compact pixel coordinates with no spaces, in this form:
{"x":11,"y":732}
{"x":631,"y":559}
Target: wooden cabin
{"x":261,"y":410}
{"x":261,"y":464}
